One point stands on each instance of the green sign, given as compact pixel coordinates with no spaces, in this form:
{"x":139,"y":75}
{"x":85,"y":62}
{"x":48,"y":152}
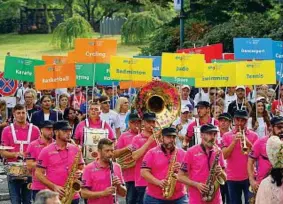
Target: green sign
{"x":20,"y":68}
{"x":179,"y":80}
{"x":85,"y":72}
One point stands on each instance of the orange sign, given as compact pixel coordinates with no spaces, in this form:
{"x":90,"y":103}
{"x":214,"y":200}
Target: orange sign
{"x":71,"y":57}
{"x":132,"y":84}
{"x":54,"y":59}
{"x":55,"y":76}
{"x":94,"y":50}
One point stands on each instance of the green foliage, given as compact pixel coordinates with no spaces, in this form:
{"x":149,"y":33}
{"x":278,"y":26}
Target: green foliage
{"x":65,"y":33}
{"x":139,"y":27}
{"x":10,"y":9}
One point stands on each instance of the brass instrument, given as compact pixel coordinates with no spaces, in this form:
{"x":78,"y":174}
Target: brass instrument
{"x":126,"y":160}
{"x":244,"y":147}
{"x":72,"y":185}
{"x":253,"y":197}
{"x":213,"y":182}
{"x":171,"y":178}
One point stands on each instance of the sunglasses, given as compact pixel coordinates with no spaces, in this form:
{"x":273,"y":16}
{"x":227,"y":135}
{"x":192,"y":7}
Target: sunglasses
{"x":105,"y":102}
{"x":212,"y":94}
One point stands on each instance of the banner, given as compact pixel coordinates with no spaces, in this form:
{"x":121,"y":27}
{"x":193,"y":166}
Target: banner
{"x":278,"y":51}
{"x":55,"y":76}
{"x":20,"y":68}
{"x":84,"y":74}
{"x":253,"y":48}
{"x":179,"y":80}
{"x":182,"y":65}
{"x":256,"y":72}
{"x":71,"y":57}
{"x":156,"y":64}
{"x":55,"y":59}
{"x":94,"y":50}
{"x":132,"y":84}
{"x":211,"y":51}
{"x":218,"y":75}
{"x":130,"y":69}
{"x":279,"y":72}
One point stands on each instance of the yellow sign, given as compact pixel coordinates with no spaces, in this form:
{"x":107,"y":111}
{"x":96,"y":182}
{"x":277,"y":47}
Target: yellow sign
{"x":182,"y":65}
{"x":218,"y":75}
{"x":256,"y":72}
{"x":133,"y":69}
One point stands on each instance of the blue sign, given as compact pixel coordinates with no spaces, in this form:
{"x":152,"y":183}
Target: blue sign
{"x":253,"y":48}
{"x":279,"y":71}
{"x":108,"y":83}
{"x":278,"y":51}
{"x":156,"y":66}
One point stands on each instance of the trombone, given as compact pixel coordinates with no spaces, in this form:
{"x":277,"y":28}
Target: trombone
{"x":244,"y":147}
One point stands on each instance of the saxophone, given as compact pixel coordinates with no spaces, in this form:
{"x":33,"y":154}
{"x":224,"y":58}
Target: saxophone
{"x":72,"y":185}
{"x":213,"y":182}
{"x":171,"y":179}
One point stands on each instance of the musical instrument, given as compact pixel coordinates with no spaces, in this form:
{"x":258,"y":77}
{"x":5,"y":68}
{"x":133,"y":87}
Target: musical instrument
{"x":91,"y":139}
{"x":18,"y":170}
{"x":245,"y":149}
{"x":171,"y":178}
{"x":111,"y":179}
{"x":253,"y":197}
{"x":6,"y":147}
{"x":213,"y":182}
{"x":160,"y":98}
{"x":126,"y":160}
{"x":72,"y":185}
{"x":156,"y":131}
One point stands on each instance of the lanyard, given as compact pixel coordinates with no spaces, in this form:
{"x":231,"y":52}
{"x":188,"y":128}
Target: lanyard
{"x":207,"y":155}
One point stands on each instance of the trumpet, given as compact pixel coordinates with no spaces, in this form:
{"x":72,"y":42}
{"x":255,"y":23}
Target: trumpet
{"x":244,"y":147}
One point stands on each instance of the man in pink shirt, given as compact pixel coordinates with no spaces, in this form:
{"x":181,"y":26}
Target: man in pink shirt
{"x":102,"y":178}
{"x":258,"y":154}
{"x":141,"y":144}
{"x":33,"y":150}
{"x":56,"y":160}
{"x":193,"y":133}
{"x":93,"y":121}
{"x":197,"y":164}
{"x":123,"y":150}
{"x":237,"y":160}
{"x":155,"y":170}
{"x":18,"y":135}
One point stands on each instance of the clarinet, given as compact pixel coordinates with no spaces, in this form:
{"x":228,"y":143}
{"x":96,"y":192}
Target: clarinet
{"x":111,"y":179}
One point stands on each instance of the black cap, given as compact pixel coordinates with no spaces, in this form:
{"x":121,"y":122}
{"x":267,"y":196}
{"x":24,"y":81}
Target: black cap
{"x":62,"y":125}
{"x":208,"y":128}
{"x":276,"y":120}
{"x":226,"y":116}
{"x":203,"y":104}
{"x":149,"y":116}
{"x":170,"y":131}
{"x":108,"y":87}
{"x":241,"y":114}
{"x":46,"y":124}
{"x":133,"y":117}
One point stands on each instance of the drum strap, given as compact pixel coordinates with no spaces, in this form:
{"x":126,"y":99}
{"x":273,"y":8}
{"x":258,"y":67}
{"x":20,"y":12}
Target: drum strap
{"x":21,"y":142}
{"x":102,"y":124}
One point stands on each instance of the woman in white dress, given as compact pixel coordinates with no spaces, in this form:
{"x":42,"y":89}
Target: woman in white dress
{"x":270,"y":190}
{"x":122,"y":108}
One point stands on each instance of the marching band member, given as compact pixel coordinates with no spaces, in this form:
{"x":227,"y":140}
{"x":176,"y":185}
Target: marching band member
{"x":159,"y":168}
{"x":141,"y":143}
{"x":18,"y":135}
{"x":33,"y":151}
{"x":236,"y":145}
{"x":258,"y":155}
{"x":55,"y":162}
{"x":93,"y":121}
{"x":101,"y":183}
{"x":122,"y":146}
{"x":197,"y":166}
{"x":203,"y":110}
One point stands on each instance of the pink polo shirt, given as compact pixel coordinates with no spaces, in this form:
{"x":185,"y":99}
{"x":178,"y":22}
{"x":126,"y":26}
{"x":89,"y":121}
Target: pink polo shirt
{"x":158,"y":163}
{"x":259,"y":153}
{"x":197,"y":164}
{"x":97,"y":178}
{"x":79,"y":132}
{"x":57,"y":163}
{"x":237,"y":162}
{"x":32,"y":153}
{"x":124,"y":141}
{"x":137,"y":143}
{"x":21,"y":134}
{"x":190,"y":131}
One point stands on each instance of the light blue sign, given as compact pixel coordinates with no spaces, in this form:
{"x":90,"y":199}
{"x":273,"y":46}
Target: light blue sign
{"x":279,"y":71}
{"x":108,"y":83}
{"x":278,"y":51}
{"x":253,"y":48}
{"x":156,"y":66}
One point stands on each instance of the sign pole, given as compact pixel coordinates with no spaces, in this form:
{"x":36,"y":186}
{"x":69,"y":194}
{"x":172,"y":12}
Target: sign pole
{"x":182,"y":30}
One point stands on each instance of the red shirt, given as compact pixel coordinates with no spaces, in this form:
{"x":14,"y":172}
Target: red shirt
{"x":158,"y":163}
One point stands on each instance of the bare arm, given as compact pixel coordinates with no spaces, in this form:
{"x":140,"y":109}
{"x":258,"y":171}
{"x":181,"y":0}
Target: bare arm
{"x":121,"y":190}
{"x":141,"y":151}
{"x":228,"y":150}
{"x":9,"y":155}
{"x":31,"y":164}
{"x":146,"y":174}
{"x":87,"y":194}
{"x":40,"y":175}
{"x":183,"y":178}
{"x":120,"y":152}
{"x":118,"y":132}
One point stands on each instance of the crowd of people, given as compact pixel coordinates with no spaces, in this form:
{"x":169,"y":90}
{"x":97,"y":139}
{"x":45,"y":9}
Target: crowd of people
{"x":226,"y":146}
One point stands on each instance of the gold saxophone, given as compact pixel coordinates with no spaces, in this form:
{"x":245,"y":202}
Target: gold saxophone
{"x":213,"y":182}
{"x":171,"y":178}
{"x":72,"y":185}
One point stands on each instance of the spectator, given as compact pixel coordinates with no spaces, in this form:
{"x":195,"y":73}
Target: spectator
{"x":47,"y":197}
{"x":63,"y":103}
{"x":20,"y":93}
{"x":122,"y":108}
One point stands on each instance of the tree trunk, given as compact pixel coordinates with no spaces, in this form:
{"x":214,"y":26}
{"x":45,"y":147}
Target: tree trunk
{"x":47,"y":18}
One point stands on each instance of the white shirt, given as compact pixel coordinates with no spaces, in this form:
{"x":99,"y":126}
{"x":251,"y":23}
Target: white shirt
{"x":201,"y":97}
{"x":20,"y":94}
{"x":122,"y":119}
{"x":182,"y":132}
{"x":46,"y":116}
{"x":186,"y":102}
{"x":228,"y":100}
{"x":262,"y":127}
{"x":112,"y":118}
